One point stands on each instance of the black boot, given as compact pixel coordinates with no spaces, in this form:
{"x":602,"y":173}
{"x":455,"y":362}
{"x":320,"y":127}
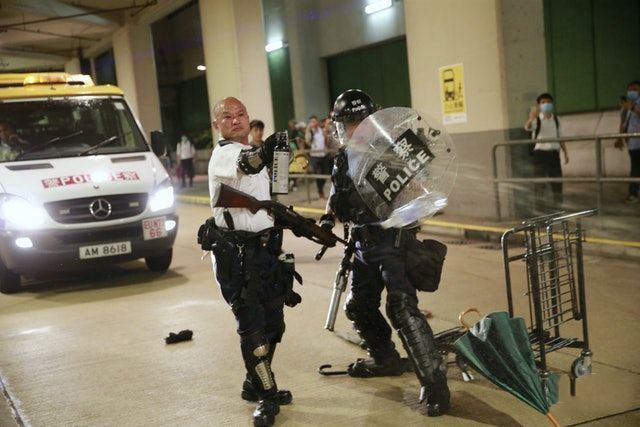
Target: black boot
{"x":266,"y":411}
{"x":437,"y":396}
{"x":249,"y":393}
{"x":417,"y":339}
{"x":370,"y":367}
{"x":255,"y":352}
{"x":376,"y":336}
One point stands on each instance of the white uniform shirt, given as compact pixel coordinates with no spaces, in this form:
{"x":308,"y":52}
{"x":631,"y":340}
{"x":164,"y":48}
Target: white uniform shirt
{"x":547,"y":130}
{"x":185,"y":150}
{"x":224,"y":170}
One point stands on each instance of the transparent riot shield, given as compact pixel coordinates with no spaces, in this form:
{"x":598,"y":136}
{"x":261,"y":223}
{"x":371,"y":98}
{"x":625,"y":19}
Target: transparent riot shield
{"x":403,"y":165}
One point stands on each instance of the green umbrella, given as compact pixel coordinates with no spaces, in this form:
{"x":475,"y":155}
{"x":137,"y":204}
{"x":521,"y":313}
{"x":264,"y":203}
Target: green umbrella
{"x":498,"y":347}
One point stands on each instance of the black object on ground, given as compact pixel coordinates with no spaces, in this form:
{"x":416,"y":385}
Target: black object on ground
{"x":184,"y":335}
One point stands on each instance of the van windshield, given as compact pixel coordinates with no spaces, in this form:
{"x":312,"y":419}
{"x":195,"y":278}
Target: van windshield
{"x":54,"y":128}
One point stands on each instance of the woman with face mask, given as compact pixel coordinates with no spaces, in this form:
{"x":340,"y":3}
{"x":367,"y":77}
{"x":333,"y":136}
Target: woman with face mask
{"x":544,"y":124}
{"x":630,"y":123}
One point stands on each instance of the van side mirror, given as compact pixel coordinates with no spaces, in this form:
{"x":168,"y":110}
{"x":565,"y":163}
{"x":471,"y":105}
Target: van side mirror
{"x":158,"y":144}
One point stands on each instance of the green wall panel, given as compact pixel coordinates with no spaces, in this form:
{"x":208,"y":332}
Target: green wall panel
{"x":593,"y":51}
{"x":617,"y":48}
{"x":381,"y":70}
{"x":281,"y":88}
{"x":194,"y":104}
{"x":571,"y":39}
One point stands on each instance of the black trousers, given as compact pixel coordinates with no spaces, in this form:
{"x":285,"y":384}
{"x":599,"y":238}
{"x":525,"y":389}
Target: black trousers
{"x":635,"y":172}
{"x":378,"y":264}
{"x":187,"y":169}
{"x":546,"y":164}
{"x":265,"y":312}
{"x":321,"y":166}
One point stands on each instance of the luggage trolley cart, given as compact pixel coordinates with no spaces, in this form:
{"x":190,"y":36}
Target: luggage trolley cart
{"x":555,"y":285}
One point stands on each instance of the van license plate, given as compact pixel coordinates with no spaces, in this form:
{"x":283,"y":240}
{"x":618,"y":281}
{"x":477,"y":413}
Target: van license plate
{"x":106,"y":249}
{"x":153,"y":228}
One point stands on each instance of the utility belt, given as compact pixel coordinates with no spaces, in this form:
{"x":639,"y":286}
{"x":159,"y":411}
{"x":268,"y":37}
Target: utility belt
{"x":231,"y":245}
{"x":373,"y":235}
{"x":213,"y":238}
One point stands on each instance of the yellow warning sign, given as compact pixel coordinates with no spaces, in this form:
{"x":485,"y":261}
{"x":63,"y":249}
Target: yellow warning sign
{"x":454,"y":109}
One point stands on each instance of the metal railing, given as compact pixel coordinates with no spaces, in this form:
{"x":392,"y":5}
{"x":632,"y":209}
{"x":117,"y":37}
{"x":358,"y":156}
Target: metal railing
{"x":599,"y":179}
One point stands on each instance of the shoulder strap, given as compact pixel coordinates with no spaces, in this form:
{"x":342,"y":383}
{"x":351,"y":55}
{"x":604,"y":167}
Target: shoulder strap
{"x":538,"y":124}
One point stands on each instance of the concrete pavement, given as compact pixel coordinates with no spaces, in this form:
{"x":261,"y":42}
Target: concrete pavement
{"x":90,"y":351}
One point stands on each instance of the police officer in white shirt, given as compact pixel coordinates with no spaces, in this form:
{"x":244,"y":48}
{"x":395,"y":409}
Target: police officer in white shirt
{"x":248,"y":272}
{"x":542,"y":124}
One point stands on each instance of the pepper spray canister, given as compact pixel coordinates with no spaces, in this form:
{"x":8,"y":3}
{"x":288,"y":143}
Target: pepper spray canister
{"x":280,"y":166}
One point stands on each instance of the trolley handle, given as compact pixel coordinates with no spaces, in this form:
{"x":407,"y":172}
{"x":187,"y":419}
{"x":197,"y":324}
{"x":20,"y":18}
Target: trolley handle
{"x":574,"y":215}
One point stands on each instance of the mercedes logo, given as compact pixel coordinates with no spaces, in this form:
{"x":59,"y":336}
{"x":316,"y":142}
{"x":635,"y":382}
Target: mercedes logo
{"x":100,"y":208}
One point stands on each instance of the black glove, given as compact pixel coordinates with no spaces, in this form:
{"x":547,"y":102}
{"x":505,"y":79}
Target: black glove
{"x":327,"y":221}
{"x":184,"y":335}
{"x":266,"y":149}
{"x":292,"y":298}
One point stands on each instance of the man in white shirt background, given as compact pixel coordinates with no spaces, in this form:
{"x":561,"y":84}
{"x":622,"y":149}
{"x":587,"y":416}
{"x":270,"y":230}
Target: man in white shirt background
{"x":544,"y":124}
{"x":186,"y":153}
{"x":321,"y":160}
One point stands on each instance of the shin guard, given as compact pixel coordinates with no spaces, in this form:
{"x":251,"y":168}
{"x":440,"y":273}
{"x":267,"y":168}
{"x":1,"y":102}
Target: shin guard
{"x":255,"y":352}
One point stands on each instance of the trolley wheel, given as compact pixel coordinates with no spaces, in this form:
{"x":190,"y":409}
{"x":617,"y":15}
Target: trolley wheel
{"x":581,"y":367}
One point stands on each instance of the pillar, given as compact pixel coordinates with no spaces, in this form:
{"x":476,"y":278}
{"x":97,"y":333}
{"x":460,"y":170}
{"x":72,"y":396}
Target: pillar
{"x":136,"y":73}
{"x":233,"y":42}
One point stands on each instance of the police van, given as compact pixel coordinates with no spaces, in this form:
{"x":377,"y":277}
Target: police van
{"x":79,"y":183}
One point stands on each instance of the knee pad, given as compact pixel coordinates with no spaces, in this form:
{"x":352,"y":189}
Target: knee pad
{"x":360,"y":309}
{"x":372,"y":327}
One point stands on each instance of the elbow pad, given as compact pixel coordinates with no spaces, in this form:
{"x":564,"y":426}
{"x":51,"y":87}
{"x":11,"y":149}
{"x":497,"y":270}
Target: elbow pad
{"x":251,"y":162}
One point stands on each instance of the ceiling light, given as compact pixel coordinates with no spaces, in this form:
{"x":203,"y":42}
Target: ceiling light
{"x":274,"y":46}
{"x":377,"y":6}
{"x":201,"y":68}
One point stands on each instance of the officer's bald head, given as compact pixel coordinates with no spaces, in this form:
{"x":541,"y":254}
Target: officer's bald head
{"x":231,"y":120}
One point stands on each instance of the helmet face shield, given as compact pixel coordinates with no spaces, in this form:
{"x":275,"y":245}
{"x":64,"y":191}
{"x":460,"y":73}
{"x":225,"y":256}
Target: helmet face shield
{"x":340,"y":133}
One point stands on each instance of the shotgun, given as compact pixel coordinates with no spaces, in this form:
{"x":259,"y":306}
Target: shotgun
{"x":284,"y":216}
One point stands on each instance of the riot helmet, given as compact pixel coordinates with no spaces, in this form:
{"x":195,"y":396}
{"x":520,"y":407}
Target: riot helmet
{"x":351,"y":107}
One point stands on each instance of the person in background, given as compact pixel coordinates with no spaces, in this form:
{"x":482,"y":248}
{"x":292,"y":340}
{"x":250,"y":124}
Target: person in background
{"x":256,"y":132}
{"x":630,"y":123}
{"x":11,"y":145}
{"x":296,"y":135}
{"x":321,"y":161}
{"x":543,"y":123}
{"x":186,"y":152}
{"x":296,"y":143}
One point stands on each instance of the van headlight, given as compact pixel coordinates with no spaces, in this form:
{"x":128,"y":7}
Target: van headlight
{"x":20,"y":213}
{"x":162,"y":198}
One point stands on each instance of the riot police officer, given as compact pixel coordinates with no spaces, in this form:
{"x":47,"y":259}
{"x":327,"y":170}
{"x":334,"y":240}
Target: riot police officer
{"x":380,"y":262}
